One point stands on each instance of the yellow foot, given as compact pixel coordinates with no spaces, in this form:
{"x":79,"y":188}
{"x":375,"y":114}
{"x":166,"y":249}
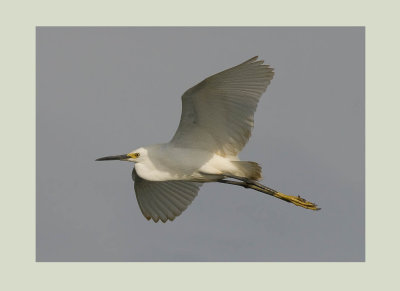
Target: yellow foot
{"x":297,"y":200}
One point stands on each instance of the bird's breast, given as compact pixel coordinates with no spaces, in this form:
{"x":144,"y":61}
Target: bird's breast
{"x":159,"y":173}
{"x":151,"y":174}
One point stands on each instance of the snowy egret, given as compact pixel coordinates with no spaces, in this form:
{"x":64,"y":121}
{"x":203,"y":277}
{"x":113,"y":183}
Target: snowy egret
{"x":216,"y":122}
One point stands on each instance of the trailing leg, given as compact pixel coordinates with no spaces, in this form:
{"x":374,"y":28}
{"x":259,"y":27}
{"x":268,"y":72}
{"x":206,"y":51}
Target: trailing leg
{"x":247,"y":183}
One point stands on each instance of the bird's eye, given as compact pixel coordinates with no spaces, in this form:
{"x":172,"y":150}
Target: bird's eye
{"x":137,"y":155}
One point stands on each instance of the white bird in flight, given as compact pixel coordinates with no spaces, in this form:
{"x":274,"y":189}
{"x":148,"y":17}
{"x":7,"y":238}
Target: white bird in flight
{"x":216,"y":122}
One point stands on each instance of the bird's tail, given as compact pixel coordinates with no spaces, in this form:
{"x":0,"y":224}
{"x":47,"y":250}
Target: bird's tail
{"x":249,"y":170}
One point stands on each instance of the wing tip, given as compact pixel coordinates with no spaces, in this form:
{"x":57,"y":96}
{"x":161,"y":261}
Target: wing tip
{"x":251,"y":60}
{"x":158,"y":218}
{"x":254,"y":60}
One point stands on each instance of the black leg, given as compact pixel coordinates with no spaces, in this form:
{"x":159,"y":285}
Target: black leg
{"x":246,"y":183}
{"x":252,"y":182}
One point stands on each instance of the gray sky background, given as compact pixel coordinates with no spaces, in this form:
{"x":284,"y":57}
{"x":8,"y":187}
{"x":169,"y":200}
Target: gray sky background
{"x":105,"y":91}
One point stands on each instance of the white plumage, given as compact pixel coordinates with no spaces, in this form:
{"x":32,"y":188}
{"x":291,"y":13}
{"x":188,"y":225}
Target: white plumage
{"x":216,"y":123}
{"x":218,"y":113}
{"x":163,"y":199}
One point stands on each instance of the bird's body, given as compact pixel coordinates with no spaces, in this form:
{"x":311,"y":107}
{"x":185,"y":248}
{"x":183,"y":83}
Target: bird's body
{"x":165,"y":162}
{"x":216,"y":122}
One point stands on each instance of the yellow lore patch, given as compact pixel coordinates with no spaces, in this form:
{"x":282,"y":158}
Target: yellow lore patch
{"x":133,"y":155}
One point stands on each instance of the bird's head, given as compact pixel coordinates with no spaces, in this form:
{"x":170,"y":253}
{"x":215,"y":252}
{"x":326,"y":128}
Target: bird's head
{"x":135,"y":156}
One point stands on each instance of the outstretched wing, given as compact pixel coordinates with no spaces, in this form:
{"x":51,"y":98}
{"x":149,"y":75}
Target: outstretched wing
{"x":163,"y":200}
{"x":218,"y":113}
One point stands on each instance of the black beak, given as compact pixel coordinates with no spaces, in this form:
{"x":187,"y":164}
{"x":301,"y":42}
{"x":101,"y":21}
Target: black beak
{"x":112,"y":158}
